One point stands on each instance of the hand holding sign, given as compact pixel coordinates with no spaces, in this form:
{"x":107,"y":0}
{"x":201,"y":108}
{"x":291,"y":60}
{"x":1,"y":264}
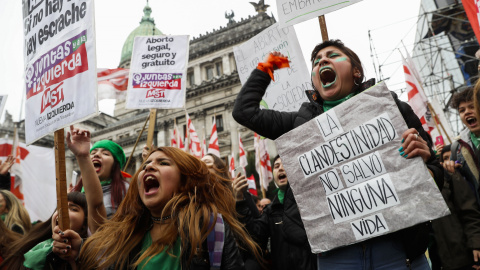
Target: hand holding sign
{"x":413,"y":145}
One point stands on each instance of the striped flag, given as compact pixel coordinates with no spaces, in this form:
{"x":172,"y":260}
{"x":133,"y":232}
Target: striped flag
{"x":213,"y":147}
{"x":242,"y":154}
{"x":262,"y":161}
{"x":173,"y":138}
{"x":416,"y":97}
{"x":112,"y":83}
{"x":195,"y":145}
{"x":252,"y":187}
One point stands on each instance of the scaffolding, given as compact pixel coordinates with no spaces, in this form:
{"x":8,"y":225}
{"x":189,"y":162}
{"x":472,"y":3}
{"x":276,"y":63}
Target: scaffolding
{"x":443,"y":51}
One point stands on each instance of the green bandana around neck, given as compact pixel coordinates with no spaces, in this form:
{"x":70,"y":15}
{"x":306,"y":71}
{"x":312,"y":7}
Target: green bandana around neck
{"x":281,"y":195}
{"x":35,"y":258}
{"x":102,"y":183}
{"x":475,"y":139}
{"x":116,"y":150}
{"x":328,"y":104}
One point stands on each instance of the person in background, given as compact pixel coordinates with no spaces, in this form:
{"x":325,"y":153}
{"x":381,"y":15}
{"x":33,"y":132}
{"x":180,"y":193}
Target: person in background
{"x":35,"y":249}
{"x":457,"y":236}
{"x":102,"y":179}
{"x":13,"y":213}
{"x":265,"y":202}
{"x":5,"y":180}
{"x":175,"y":216}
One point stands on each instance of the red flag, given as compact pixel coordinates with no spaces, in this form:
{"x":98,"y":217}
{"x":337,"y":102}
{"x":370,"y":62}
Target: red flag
{"x":472,"y":9}
{"x":173,"y":138}
{"x":232,"y":166}
{"x":242,"y":154}
{"x":252,"y":187}
{"x":112,"y":83}
{"x":262,"y":161}
{"x":213,"y":147}
{"x":416,"y":97}
{"x":195,"y":145}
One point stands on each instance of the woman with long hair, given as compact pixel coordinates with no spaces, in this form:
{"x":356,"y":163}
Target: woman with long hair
{"x":216,"y":165}
{"x":13,"y":213}
{"x":175,"y":216}
{"x":34,"y":250}
{"x":102,"y":179}
{"x":337,"y":75}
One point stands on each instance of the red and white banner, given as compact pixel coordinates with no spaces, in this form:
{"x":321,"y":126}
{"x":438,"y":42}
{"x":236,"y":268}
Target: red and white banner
{"x":112,"y":83}
{"x":242,"y":155}
{"x":262,"y":162}
{"x":416,"y":97}
{"x":158,"y":72}
{"x":472,"y":8}
{"x":204,"y":147}
{"x":173,"y":138}
{"x":37,"y":170}
{"x":231,"y":165}
{"x":252,"y":187}
{"x":213,"y":147}
{"x":194,"y":144}
{"x":60,"y":71}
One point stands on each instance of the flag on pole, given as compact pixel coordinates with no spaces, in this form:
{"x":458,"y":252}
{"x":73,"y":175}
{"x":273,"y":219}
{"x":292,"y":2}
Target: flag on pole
{"x":416,"y":97}
{"x":213,"y":147}
{"x":262,"y":161}
{"x":472,"y":9}
{"x":195,"y":145}
{"x":231,"y":166}
{"x":112,"y":83}
{"x":173,"y":138}
{"x":242,"y":154}
{"x":252,"y":187}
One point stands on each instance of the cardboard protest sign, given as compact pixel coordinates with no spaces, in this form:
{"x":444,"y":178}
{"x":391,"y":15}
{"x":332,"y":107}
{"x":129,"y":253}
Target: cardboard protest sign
{"x":158,"y":72}
{"x":60,"y":66}
{"x":349,"y":181}
{"x":291,"y":12}
{"x":287,"y":92}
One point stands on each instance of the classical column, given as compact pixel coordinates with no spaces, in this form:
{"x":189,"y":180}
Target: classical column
{"x":138,"y":162}
{"x":197,"y":73}
{"x":226,"y":64}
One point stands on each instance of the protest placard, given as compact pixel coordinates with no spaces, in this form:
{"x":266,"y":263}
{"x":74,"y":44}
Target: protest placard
{"x":157,"y":72}
{"x":60,"y":66}
{"x":349,"y":181}
{"x":287,"y":92}
{"x":291,"y":12}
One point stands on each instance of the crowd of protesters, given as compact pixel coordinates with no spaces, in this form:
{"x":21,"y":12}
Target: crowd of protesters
{"x":180,"y":212}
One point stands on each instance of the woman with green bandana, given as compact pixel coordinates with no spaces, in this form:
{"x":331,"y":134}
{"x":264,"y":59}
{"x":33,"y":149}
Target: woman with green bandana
{"x":102,"y":179}
{"x":337,"y":75}
{"x":13,"y":213}
{"x":35,"y":249}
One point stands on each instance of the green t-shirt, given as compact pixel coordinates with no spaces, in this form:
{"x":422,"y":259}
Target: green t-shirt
{"x":162,"y":261}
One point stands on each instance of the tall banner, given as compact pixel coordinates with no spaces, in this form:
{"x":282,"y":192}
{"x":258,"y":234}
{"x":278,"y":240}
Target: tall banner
{"x":297,"y":11}
{"x":158,"y":72}
{"x":287,"y":91}
{"x":60,"y":66}
{"x":473,"y":14}
{"x":37,"y":172}
{"x":347,"y":176}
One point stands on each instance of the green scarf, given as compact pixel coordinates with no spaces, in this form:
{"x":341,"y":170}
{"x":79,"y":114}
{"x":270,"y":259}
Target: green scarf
{"x":102,"y":183}
{"x":36,"y":257}
{"x":328,"y":104}
{"x":475,"y":140}
{"x":3,"y":216}
{"x":281,"y":195}
{"x":161,"y":261}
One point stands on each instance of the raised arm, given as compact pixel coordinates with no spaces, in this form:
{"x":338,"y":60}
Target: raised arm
{"x":78,"y":141}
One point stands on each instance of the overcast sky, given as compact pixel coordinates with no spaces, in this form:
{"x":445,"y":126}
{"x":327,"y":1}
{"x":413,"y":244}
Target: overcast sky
{"x":389,"y":21}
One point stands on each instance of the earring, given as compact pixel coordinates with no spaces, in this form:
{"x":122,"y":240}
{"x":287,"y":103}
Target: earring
{"x":355,"y":83}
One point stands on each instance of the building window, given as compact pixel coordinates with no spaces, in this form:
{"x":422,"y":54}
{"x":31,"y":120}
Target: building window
{"x":190,"y":79}
{"x":209,"y":71}
{"x":218,"y":67}
{"x":219,"y":122}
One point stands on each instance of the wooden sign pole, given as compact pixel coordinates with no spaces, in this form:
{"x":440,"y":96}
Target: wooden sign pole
{"x":151,"y":127}
{"x":323,"y":27}
{"x":61,"y":180}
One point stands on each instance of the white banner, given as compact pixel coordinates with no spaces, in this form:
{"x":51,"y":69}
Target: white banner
{"x":349,"y":181}
{"x":3,"y":101}
{"x":158,"y":72}
{"x":37,"y":169}
{"x":287,"y":92}
{"x":291,"y":12}
{"x":60,"y":66}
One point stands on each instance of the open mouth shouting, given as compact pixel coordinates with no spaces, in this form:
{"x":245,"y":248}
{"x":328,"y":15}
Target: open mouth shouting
{"x":471,"y":121}
{"x":327,"y":76}
{"x":282,"y":177}
{"x":97,"y":164}
{"x":150,"y":184}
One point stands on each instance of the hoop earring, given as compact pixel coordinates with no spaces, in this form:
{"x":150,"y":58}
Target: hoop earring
{"x":355,"y":82}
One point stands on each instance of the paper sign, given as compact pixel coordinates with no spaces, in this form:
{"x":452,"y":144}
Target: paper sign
{"x":287,"y":92}
{"x":291,"y":12}
{"x":353,"y":185}
{"x":60,"y":66}
{"x":157,"y":72}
